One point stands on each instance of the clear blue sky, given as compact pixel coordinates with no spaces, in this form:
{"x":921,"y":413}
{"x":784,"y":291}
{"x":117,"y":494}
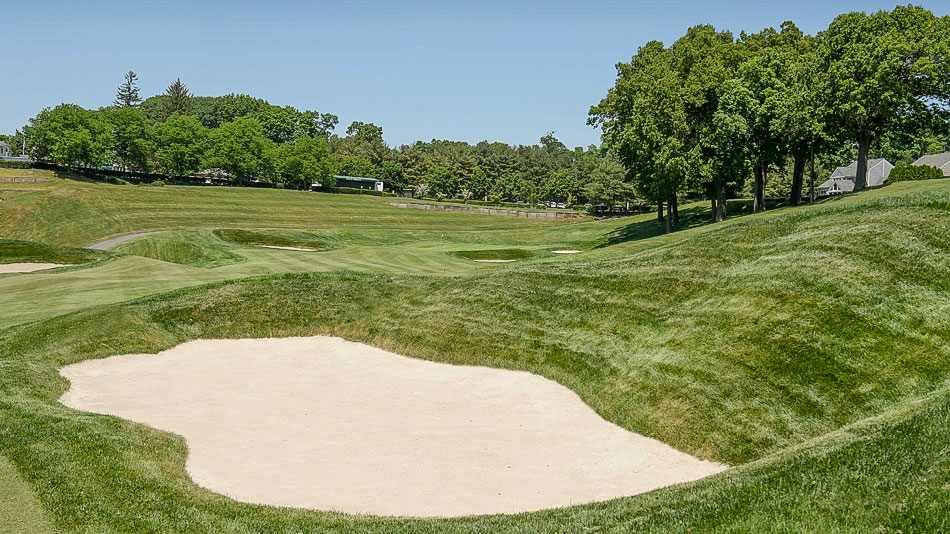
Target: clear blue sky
{"x":421,"y":70}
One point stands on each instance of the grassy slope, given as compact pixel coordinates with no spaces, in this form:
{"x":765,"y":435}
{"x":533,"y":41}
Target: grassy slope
{"x":20,"y":510}
{"x":276,"y":238}
{"x":76,"y":213}
{"x":731,"y":342}
{"x":365,"y":233}
{"x":198,"y":249}
{"x":497,"y":254}
{"x":889,"y":473}
{"x":16,"y":251}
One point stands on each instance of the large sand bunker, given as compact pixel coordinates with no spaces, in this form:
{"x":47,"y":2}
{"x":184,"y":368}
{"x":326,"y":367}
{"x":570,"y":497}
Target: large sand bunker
{"x":325,"y":423}
{"x":6,"y":268}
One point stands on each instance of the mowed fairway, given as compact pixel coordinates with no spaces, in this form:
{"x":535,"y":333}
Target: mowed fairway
{"x":364,"y":233}
{"x":808,"y":347}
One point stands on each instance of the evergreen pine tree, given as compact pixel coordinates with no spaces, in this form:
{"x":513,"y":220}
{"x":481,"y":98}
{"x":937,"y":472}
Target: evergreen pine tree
{"x":177,"y":99}
{"x":128,"y":93}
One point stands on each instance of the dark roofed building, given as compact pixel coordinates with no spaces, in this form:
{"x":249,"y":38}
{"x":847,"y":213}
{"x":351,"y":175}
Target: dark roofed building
{"x":356,"y":182}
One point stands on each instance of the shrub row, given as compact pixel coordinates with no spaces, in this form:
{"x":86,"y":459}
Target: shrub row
{"x":480,"y":203}
{"x":906,"y":173}
{"x":356,"y":191}
{"x":16,"y":164}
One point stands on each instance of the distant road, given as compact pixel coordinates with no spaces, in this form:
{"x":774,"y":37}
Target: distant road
{"x":106,"y":244}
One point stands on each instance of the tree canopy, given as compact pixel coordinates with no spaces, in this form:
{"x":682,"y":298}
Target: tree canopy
{"x":710,"y":116}
{"x":703,"y":115}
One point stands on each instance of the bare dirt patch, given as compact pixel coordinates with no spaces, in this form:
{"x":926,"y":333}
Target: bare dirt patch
{"x":324,"y":423}
{"x":566,"y":251}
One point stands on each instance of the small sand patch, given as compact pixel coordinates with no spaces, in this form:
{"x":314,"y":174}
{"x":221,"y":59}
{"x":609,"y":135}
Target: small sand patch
{"x":6,"y":268}
{"x":302,"y":249}
{"x":566,"y":251}
{"x":324,"y":423}
{"x":494,"y":261}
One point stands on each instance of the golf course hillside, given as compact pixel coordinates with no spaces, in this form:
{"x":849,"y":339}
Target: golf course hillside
{"x":805,"y":349}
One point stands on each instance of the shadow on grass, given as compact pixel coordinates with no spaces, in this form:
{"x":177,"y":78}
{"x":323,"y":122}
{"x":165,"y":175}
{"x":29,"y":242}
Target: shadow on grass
{"x":692,"y":217}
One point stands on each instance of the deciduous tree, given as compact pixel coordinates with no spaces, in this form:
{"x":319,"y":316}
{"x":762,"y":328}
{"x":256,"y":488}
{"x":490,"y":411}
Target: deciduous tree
{"x":131,"y":137}
{"x":884,"y":68}
{"x":303,"y":162}
{"x":180,"y":145}
{"x":240,"y":148}
{"x":70,"y":136}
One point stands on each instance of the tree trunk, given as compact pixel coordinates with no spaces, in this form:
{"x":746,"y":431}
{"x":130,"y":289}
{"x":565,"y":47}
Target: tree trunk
{"x":758,"y":190}
{"x":713,"y":210}
{"x":861,"y":177}
{"x":798,"y":178}
{"x":659,"y":211}
{"x":676,"y":211}
{"x":811,"y":199}
{"x":719,"y":214}
{"x":669,"y":218}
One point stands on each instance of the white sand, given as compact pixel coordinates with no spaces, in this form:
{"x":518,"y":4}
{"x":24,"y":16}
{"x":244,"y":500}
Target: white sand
{"x":289,"y":248}
{"x":6,"y":268}
{"x":494,"y":261}
{"x":567,"y":251}
{"x":325,"y":423}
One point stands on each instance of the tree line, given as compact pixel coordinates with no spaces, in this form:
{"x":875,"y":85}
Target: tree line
{"x":712,"y":116}
{"x":711,"y":112}
{"x":247,"y":138}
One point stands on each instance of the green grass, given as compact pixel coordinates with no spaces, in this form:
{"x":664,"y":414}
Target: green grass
{"x":498,"y":254}
{"x":20,"y":510}
{"x":810,"y":347}
{"x":199,"y":249}
{"x":16,"y":251}
{"x":69,"y":212}
{"x":275,"y":238}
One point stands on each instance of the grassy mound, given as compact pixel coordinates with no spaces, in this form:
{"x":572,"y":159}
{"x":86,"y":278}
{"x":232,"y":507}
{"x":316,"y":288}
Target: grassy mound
{"x":15,"y":251}
{"x":498,"y":254}
{"x":186,"y":248}
{"x":809,"y":347}
{"x":275,"y":238}
{"x":69,"y":212}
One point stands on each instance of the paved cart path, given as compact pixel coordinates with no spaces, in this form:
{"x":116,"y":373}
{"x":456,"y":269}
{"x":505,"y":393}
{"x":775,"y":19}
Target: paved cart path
{"x":106,"y":244}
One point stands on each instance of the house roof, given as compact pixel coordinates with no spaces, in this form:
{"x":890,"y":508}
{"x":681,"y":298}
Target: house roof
{"x":851,"y":171}
{"x":212,"y":172}
{"x":3,"y":143}
{"x":845,"y":185}
{"x":934,"y":160}
{"x":357,"y":179}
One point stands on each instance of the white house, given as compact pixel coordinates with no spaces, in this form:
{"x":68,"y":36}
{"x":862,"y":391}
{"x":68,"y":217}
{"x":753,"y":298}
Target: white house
{"x":940,"y":161}
{"x":5,"y":151}
{"x":842,"y":180}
